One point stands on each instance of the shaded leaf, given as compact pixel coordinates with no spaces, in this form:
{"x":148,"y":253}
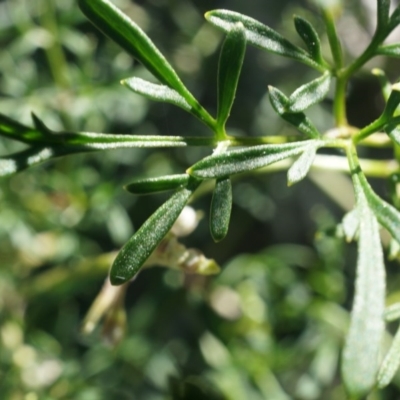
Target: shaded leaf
{"x":260,"y":35}
{"x":390,"y":363}
{"x":241,"y":160}
{"x":14,"y":130}
{"x":309,"y":94}
{"x":140,"y":246}
{"x":394,"y":249}
{"x":392,"y":102}
{"x":383,"y":7}
{"x":302,"y":165}
{"x":156,"y":92}
{"x":384,"y":82}
{"x":392,"y":312}
{"x":221,"y":207}
{"x":310,"y":37}
{"x":394,"y":20}
{"x":279,"y":103}
{"x":157,"y":185}
{"x":230,"y":65}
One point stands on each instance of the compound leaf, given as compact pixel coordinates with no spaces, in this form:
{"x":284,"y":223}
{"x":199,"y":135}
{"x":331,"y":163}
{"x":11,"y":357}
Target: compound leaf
{"x":140,"y":246}
{"x":241,"y":160}
{"x":260,"y":35}
{"x":221,"y":207}
{"x":157,"y":185}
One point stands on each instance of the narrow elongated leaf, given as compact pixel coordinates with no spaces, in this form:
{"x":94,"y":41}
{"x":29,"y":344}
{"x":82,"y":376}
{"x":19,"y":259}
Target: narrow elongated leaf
{"x":384,"y":82}
{"x":221,"y":207}
{"x":140,"y":246}
{"x":383,"y":7}
{"x":392,"y":312}
{"x":260,"y":35}
{"x":361,"y":352}
{"x":157,"y":185}
{"x":394,"y":19}
{"x":389,"y":50}
{"x":310,"y":37}
{"x":309,"y":94}
{"x":241,"y":160}
{"x":393,"y":101}
{"x":391,"y":362}
{"x":350,"y":224}
{"x":156,"y":92}
{"x":394,"y":249}
{"x":115,"y":24}
{"x":302,"y":165}
{"x":279,"y":103}
{"x":230,"y":65}
{"x":14,"y":130}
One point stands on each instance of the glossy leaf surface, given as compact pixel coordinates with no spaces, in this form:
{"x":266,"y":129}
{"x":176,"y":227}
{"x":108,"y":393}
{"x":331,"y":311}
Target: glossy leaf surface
{"x":157,"y":185}
{"x":156,"y":92}
{"x":309,"y":94}
{"x":221,"y":207}
{"x":302,"y":165}
{"x":241,"y":160}
{"x":310,"y":37}
{"x":260,"y":35}
{"x":140,"y":246}
{"x":279,"y":102}
{"x":390,"y":50}
{"x":230,"y":65}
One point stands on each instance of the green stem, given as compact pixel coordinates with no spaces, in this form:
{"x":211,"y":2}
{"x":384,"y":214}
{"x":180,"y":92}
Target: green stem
{"x":339,"y":104}
{"x":333,"y":38}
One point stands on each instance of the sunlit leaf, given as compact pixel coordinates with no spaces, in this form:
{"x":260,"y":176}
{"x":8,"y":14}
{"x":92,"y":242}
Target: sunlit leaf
{"x":302,"y":165}
{"x":391,"y":362}
{"x":241,"y":160}
{"x":350,"y":224}
{"x":361,"y":352}
{"x":393,"y":101}
{"x":156,"y":92}
{"x":140,"y":246}
{"x":230,"y":65}
{"x":157,"y":185}
{"x":390,"y":50}
{"x":279,"y":102}
{"x":392,"y":312}
{"x":260,"y":35}
{"x":14,"y":130}
{"x":309,"y":94}
{"x":221,"y":206}
{"x":310,"y":37}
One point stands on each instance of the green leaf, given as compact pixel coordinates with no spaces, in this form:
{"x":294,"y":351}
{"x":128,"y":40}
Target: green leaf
{"x":279,"y":103}
{"x":391,"y":362}
{"x":140,"y":246}
{"x":302,"y":165}
{"x":241,"y":160}
{"x":392,"y":312}
{"x":309,"y":94}
{"x":394,"y":249}
{"x":230,"y":65}
{"x":350,"y":224}
{"x":156,"y":92}
{"x":261,"y":36}
{"x":394,"y":19}
{"x":389,"y":50}
{"x":310,"y":37}
{"x":384,"y":82}
{"x":393,"y":101}
{"x":157,"y":185}
{"x":221,"y":207}
{"x":383,"y":7}
{"x":14,"y":130}
{"x":361,"y":352}
{"x":115,"y":24}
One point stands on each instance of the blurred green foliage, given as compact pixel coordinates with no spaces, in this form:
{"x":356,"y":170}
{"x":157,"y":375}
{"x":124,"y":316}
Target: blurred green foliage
{"x":270,"y":326}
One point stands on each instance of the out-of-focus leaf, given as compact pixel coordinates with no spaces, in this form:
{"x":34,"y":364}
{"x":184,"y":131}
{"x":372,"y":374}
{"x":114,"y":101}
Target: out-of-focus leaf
{"x":390,"y":50}
{"x":302,"y":165}
{"x":279,"y":102}
{"x":394,"y":249}
{"x":230,"y":65}
{"x":157,"y":185}
{"x":394,"y":19}
{"x":260,"y":35}
{"x":221,"y":207}
{"x":392,"y":102}
{"x":156,"y":92}
{"x":384,"y":82}
{"x":350,"y":224}
{"x":310,"y":37}
{"x":241,"y":160}
{"x":140,"y":246}
{"x":309,"y":94}
{"x":361,"y":352}
{"x":391,"y":362}
{"x":392,"y":312}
